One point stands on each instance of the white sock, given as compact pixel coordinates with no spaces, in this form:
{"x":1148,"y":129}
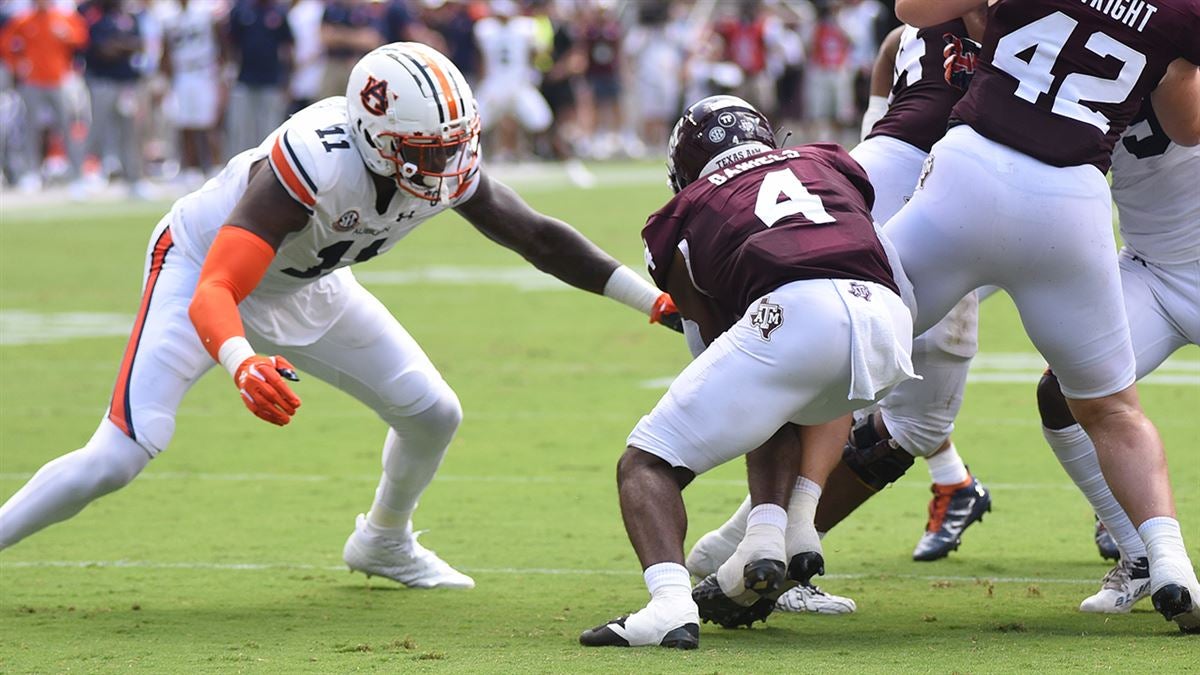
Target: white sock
{"x":64,"y":486}
{"x":947,"y":468}
{"x":734,"y":529}
{"x":412,"y":453}
{"x":801,"y":535}
{"x":764,"y":538}
{"x":668,"y":579}
{"x":767,"y":514}
{"x":1077,"y":456}
{"x":1164,"y":543}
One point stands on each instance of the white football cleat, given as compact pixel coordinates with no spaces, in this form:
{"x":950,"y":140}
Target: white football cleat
{"x":1124,"y":585}
{"x":672,"y":623}
{"x":402,"y":560}
{"x":709,"y":553}
{"x":813,"y":600}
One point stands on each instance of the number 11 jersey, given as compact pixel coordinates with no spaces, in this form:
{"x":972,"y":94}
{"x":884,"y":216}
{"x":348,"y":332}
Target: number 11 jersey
{"x":1059,"y":80}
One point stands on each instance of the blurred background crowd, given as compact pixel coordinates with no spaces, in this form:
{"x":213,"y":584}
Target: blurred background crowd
{"x":151,"y":94}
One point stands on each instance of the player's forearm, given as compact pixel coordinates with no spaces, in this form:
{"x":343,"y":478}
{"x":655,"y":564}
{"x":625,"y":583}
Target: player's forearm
{"x":235,"y":264}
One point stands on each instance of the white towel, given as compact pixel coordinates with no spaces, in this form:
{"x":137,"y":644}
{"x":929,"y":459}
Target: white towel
{"x":879,"y":358}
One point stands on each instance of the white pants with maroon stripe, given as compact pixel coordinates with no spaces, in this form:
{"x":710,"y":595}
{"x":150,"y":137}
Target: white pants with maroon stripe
{"x":364,"y":352}
{"x":920,"y":414}
{"x":794,"y":363}
{"x":984,"y":213}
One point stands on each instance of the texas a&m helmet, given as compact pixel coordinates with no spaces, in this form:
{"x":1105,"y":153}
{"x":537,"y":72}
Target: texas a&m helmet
{"x":716,"y":130}
{"x":413,"y":117}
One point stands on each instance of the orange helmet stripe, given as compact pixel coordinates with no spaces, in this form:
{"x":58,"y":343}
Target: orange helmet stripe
{"x":443,"y":81}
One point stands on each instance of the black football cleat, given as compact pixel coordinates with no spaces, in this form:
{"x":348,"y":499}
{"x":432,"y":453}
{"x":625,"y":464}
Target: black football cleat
{"x":615,"y":633}
{"x":1105,"y":543}
{"x":1175,"y":603}
{"x":716,"y":607}
{"x":951,"y":512}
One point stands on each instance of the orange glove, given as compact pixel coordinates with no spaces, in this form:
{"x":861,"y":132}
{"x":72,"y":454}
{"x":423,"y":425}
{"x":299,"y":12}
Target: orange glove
{"x":665,"y":313}
{"x":260,"y":379}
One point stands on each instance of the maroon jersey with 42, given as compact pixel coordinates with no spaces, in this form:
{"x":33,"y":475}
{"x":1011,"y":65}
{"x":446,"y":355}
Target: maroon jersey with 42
{"x":779,"y":216}
{"x":1059,"y":80}
{"x":921,"y":98}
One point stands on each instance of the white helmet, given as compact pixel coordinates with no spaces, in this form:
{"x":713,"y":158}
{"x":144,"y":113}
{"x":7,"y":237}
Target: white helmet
{"x":413,"y":117}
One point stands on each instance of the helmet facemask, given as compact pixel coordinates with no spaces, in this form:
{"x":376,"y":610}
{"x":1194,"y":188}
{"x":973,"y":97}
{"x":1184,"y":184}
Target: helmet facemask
{"x":435,"y":168}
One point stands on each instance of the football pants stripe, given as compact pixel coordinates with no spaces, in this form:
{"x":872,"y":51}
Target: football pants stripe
{"x":119,"y":409}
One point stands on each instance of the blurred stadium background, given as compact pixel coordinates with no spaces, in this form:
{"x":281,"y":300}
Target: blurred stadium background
{"x":144,"y":98}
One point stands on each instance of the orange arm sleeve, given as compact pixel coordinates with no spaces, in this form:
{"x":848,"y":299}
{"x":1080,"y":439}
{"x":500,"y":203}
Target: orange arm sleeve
{"x":235,"y":264}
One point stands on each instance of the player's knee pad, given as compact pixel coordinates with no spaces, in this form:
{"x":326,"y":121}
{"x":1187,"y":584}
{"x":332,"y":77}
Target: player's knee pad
{"x":1052,"y":405}
{"x":434,"y":426}
{"x":879,"y":464}
{"x":153,"y":428}
{"x":109,"y":461}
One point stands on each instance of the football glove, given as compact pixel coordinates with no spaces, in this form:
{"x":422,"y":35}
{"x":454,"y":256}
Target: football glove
{"x":260,"y":381}
{"x":664,"y":312}
{"x":961,"y":57}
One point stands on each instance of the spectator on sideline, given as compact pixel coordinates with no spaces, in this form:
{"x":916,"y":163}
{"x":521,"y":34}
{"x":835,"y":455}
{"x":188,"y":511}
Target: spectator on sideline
{"x":829,"y":78}
{"x":454,"y":23}
{"x":656,"y":54}
{"x":507,"y":94}
{"x":349,"y":29}
{"x":39,"y":47}
{"x":192,"y":61}
{"x":115,"y":39}
{"x":603,"y":39}
{"x":260,"y":37}
{"x":304,"y":87}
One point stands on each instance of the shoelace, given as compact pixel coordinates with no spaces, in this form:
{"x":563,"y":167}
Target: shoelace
{"x":1117,"y":577}
{"x":938,"y":508}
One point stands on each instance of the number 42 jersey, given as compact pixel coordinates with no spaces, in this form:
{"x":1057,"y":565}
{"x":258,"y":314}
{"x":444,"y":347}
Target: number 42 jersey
{"x":313,"y":157}
{"x":1059,"y":80}
{"x":767,"y":219}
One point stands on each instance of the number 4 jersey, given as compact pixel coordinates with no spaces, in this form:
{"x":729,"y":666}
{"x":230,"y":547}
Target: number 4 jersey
{"x":1059,"y":80}
{"x":768,"y":219}
{"x":314,"y":159}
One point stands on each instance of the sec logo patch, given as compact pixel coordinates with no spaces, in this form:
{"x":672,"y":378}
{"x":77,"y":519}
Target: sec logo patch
{"x":348,"y":221}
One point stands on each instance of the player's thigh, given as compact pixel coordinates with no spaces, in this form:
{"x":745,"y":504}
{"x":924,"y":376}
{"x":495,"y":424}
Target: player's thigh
{"x":369,"y":355}
{"x":164,"y":357}
{"x":751,"y":381}
{"x":1152,"y":329}
{"x":893,"y":167}
{"x":533,"y":111}
{"x":940,"y":235}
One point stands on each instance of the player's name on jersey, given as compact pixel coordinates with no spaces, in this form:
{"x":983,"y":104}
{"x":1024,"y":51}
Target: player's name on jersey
{"x":1128,"y":12}
{"x":719,"y":176}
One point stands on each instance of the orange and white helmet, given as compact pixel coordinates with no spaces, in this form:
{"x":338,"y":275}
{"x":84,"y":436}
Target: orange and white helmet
{"x":413,"y":116}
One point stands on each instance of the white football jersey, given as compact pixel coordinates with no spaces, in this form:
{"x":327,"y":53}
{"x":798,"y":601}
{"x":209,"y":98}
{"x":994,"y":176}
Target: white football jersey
{"x":190,"y":36}
{"x":314,"y":159}
{"x":507,"y":48}
{"x":1156,"y":186}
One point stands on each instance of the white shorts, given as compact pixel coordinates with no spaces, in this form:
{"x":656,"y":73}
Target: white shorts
{"x":500,"y":98}
{"x":829,"y":94}
{"x":365,"y":352}
{"x":1163,"y":303}
{"x":193,"y":100}
{"x":984,"y":213}
{"x":795,"y":356}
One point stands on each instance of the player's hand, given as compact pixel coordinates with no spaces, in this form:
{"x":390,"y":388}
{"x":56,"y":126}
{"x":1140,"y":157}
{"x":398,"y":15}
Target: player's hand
{"x":665,"y":313}
{"x":260,"y":380}
{"x":961,"y":57}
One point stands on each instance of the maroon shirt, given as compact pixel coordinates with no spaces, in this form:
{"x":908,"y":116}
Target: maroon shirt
{"x":921,"y":98}
{"x":1069,"y":108}
{"x":736,"y":257}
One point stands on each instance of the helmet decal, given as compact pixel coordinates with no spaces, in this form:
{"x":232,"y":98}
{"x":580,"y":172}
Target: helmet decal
{"x":374,"y":96}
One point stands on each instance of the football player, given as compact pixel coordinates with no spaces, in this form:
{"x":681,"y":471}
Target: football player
{"x":773,"y":254}
{"x":258,"y":262}
{"x":1027,"y":158}
{"x":1154,"y":186}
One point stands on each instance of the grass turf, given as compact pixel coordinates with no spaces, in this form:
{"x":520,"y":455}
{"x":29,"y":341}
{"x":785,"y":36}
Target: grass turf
{"x":225,"y":555}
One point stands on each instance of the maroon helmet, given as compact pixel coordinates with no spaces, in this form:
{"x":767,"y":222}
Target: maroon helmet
{"x":711,"y":127}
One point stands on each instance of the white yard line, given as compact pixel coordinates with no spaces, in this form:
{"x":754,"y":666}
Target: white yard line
{"x":542,"y":571}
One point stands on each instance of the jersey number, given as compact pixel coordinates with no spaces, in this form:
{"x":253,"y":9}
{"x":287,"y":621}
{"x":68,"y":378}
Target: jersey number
{"x":1151,"y":145}
{"x":1046,"y":37}
{"x":339,"y":144}
{"x":332,"y":254}
{"x":797,"y":199}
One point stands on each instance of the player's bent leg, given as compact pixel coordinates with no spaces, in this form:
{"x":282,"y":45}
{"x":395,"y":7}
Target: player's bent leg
{"x":162,"y":359}
{"x":64,"y":486}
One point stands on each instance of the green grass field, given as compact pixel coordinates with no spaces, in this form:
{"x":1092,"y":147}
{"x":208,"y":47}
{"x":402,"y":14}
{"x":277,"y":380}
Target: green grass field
{"x":225,"y":556}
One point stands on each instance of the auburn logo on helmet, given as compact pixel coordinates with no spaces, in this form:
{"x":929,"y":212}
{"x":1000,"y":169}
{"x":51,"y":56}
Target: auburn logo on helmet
{"x":374,"y":95}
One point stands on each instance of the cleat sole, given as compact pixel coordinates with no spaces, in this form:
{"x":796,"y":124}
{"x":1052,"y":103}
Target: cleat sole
{"x":1174,"y":602}
{"x":804,"y":566}
{"x":763,"y":576}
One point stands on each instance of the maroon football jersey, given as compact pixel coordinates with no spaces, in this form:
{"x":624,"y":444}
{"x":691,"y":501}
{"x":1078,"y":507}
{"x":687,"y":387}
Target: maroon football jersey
{"x":921,"y":99}
{"x":1059,"y":80}
{"x":777,"y":216}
